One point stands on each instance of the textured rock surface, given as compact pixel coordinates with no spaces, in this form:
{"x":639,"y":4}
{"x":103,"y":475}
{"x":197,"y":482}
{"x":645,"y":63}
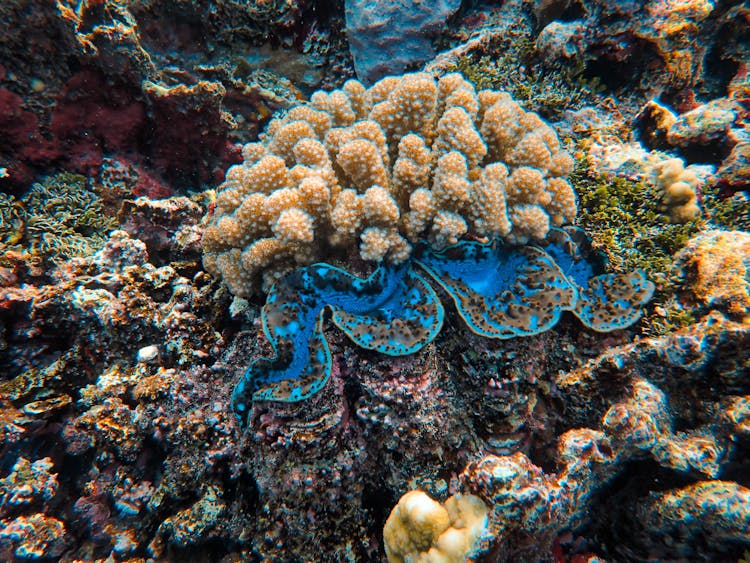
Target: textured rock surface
{"x":162,"y":82}
{"x":391,"y":36}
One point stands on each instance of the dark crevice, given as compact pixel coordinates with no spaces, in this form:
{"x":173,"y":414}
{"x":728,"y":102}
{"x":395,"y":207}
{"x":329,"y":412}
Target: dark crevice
{"x":377,"y":501}
{"x":620,"y":62}
{"x":719,"y":71}
{"x":713,"y":153}
{"x":208,"y":552}
{"x":614,"y":525}
{"x":548,"y":11}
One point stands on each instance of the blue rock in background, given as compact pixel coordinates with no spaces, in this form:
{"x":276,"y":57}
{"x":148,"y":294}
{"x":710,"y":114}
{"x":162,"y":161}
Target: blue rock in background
{"x":389,"y":36}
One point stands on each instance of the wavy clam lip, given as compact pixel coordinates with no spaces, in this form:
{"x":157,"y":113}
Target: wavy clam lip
{"x":500,"y":291}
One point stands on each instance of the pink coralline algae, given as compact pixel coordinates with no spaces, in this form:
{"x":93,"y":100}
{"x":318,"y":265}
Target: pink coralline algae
{"x":90,"y":117}
{"x":161,"y":84}
{"x":94,"y":117}
{"x":19,"y":126}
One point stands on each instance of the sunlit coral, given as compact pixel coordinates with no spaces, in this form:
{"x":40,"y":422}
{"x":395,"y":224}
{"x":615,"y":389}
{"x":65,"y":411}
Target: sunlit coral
{"x":422,"y":529}
{"x":679,"y":187}
{"x":412,"y":159}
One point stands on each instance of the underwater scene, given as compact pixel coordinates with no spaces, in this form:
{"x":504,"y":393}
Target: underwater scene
{"x":397,"y":281}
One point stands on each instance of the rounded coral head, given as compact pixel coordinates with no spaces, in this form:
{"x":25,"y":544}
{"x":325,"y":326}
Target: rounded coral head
{"x":412,"y":160}
{"x":421,"y":529}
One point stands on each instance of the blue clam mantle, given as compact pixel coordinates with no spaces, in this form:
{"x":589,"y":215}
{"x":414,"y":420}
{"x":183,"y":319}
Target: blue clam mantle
{"x":500,"y":291}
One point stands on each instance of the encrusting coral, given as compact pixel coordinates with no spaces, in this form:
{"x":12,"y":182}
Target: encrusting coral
{"x":717,"y":263}
{"x":530,"y":507}
{"x":410,"y":159}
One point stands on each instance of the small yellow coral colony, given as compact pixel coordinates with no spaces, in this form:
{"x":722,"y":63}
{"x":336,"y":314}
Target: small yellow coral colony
{"x":421,"y":530}
{"x":412,"y":158}
{"x":679,"y":185}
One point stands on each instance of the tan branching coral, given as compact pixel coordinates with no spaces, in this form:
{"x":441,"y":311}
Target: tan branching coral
{"x":413,"y":159}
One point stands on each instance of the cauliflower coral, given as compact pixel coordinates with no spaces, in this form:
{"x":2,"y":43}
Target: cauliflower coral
{"x":411,"y":160}
{"x":421,"y":530}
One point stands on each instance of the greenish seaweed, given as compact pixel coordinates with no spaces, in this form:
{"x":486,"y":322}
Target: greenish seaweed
{"x":624,"y":219}
{"x":57,"y":219}
{"x":11,"y":221}
{"x":626,"y":222}
{"x":730,"y":213}
{"x":512,"y":68}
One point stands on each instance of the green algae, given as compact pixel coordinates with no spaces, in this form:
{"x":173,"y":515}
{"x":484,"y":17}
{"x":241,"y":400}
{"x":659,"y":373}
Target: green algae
{"x":511,"y":68}
{"x":624,"y":219}
{"x":11,"y":221}
{"x":57,"y":219}
{"x":626,"y":222}
{"x":731,"y":213}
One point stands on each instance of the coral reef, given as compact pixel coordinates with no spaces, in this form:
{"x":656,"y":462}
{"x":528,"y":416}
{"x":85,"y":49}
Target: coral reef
{"x":717,"y":263}
{"x":74,"y":389}
{"x":530,"y":507}
{"x":54,"y":220}
{"x":719,"y":507}
{"x":273,"y":211}
{"x":65,"y":218}
{"x":32,"y":537}
{"x":27,"y":483}
{"x":623,"y":207}
{"x":158,"y":82}
{"x":394,"y":217}
{"x":666,"y":46}
{"x":716,"y":132}
{"x":680,"y":190}
{"x":143,"y":433}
